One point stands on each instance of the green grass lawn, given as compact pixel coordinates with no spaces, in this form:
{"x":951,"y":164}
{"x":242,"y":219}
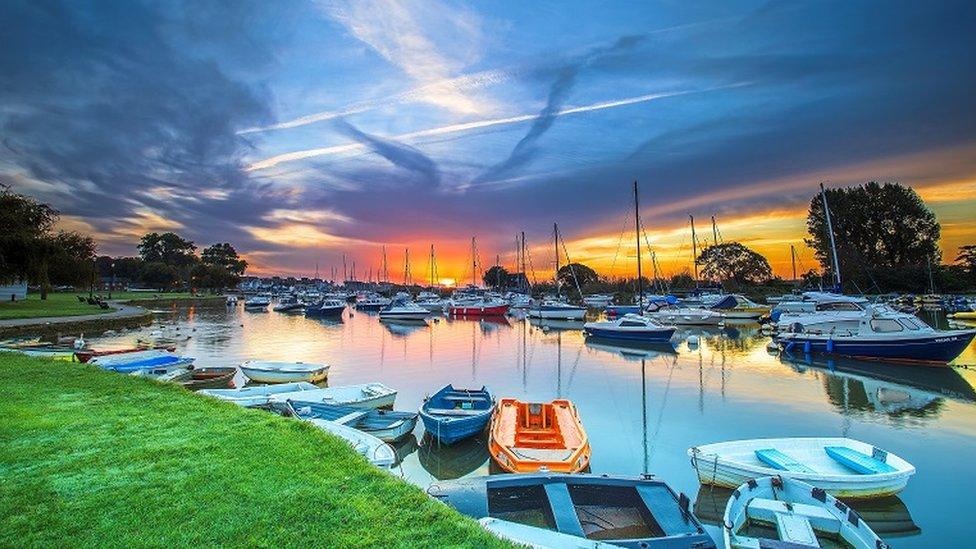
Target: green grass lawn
{"x":66,"y":304}
{"x":94,"y":458}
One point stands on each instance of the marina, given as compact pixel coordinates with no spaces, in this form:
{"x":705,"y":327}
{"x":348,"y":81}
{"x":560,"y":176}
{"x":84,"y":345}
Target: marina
{"x":643,"y":405}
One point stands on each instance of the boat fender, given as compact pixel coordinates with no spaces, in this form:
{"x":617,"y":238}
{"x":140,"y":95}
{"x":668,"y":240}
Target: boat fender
{"x":806,"y":347}
{"x":830,"y":345}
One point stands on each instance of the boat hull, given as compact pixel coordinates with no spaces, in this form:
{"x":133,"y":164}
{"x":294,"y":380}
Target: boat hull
{"x":277,"y":376}
{"x":557,"y":313}
{"x":938,"y":348}
{"x":325,"y":311}
{"x":656,"y":336}
{"x":462,"y":310}
{"x":404,"y":316}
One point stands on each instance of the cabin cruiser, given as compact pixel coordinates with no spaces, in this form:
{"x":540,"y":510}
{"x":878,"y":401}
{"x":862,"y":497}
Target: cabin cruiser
{"x":734,"y":306}
{"x":372,"y":302}
{"x":326,"y":308}
{"x":288,"y":303}
{"x":630,"y":327}
{"x":404,"y":309}
{"x":557,"y":308}
{"x":875,"y":332}
{"x":433,"y":304}
{"x":260,"y":301}
{"x":683,"y":315}
{"x":819,"y":307}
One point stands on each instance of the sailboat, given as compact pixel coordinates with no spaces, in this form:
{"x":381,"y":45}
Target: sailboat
{"x":428,"y":299}
{"x":631,"y":326}
{"x":476,"y":305}
{"x":556,"y":308}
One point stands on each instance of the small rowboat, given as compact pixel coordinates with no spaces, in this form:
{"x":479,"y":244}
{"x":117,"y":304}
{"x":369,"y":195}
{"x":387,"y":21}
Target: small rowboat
{"x":367,"y":395}
{"x":798,"y":513}
{"x":843,"y":467}
{"x":88,"y":354}
{"x":451,"y":414}
{"x":266,"y":371}
{"x":373,"y":449}
{"x":623,"y":511}
{"x":386,"y":425}
{"x":202,"y":378}
{"x":258,"y":395}
{"x":527,"y":437}
{"x":142,"y":361}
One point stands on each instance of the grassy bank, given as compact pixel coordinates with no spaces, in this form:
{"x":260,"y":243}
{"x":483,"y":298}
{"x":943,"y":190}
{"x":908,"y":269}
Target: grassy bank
{"x":94,"y":458}
{"x":67,"y":304}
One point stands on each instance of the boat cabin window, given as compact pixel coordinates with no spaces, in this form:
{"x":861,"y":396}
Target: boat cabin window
{"x":838,"y":306}
{"x":522,"y":504}
{"x":883,"y":325}
{"x":631,"y":323}
{"x":613,"y":512}
{"x":909,"y":323}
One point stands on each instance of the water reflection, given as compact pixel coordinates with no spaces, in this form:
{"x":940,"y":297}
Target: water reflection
{"x":445,"y":462}
{"x":403,"y":327}
{"x":888,"y":516}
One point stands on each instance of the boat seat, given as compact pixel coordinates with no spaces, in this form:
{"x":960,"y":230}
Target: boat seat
{"x":795,"y":529}
{"x":454,"y":412}
{"x":351,"y":417}
{"x":858,"y":462}
{"x":778,"y":460}
{"x":669,"y":517}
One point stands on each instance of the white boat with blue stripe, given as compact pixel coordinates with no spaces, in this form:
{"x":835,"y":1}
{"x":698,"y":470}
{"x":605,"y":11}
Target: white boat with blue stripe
{"x":843,"y":467}
{"x":630,"y":327}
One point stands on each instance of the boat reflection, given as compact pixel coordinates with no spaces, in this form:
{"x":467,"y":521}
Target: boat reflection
{"x":405,"y":447}
{"x":888,"y":516}
{"x":549,"y":324}
{"x":445,"y":462}
{"x":894,"y":389}
{"x":633,"y":351}
{"x":403,"y":327}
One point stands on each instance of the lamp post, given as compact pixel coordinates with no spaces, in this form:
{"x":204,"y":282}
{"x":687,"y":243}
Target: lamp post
{"x":111,"y":286}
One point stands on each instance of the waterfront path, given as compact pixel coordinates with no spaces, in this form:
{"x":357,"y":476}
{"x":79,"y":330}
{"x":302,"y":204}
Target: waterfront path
{"x":124,"y":316}
{"x":121,"y":311}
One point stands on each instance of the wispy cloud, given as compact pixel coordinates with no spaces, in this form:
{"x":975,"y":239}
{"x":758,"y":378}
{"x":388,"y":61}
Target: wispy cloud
{"x":474,"y":125}
{"x":410,"y":38}
{"x":398,"y":154}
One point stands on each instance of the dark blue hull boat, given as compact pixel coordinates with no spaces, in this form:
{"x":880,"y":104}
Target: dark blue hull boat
{"x":325,"y":311}
{"x":630,"y":512}
{"x":450,"y":415}
{"x":940,"y":347}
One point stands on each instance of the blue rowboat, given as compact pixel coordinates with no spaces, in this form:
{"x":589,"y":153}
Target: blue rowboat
{"x":450,"y":414}
{"x":144,"y":360}
{"x":386,"y":425}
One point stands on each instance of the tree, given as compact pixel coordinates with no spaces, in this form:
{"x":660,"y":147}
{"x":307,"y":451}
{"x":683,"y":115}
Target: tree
{"x":224,"y":255}
{"x":584,"y":275}
{"x":212,"y":277}
{"x":168,"y":248}
{"x":876,"y":227}
{"x":967,"y":258}
{"x":495,"y":277}
{"x":731,"y":261}
{"x":30,"y":251}
{"x":159,"y":275}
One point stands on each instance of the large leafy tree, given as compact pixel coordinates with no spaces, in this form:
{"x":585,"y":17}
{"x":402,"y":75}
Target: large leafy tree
{"x":224,"y":255}
{"x":584,"y":275}
{"x":495,"y":277}
{"x":168,"y":248}
{"x":30,"y":249}
{"x":876,"y":227}
{"x":967,"y":257}
{"x":733,"y":262}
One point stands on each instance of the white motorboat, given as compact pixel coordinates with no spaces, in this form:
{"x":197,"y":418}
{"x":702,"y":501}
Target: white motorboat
{"x":267,"y":371}
{"x":366,"y":395}
{"x":287,"y":304}
{"x":829,"y":307}
{"x":843,"y":467}
{"x":404,"y":309}
{"x":520,"y":301}
{"x":598,"y":301}
{"x":557,"y":309}
{"x":373,"y":449}
{"x":257,"y":302}
{"x":630,"y":327}
{"x":433,"y":304}
{"x":797,"y":513}
{"x":684,"y":316}
{"x":258,"y":395}
{"x":734,"y":306}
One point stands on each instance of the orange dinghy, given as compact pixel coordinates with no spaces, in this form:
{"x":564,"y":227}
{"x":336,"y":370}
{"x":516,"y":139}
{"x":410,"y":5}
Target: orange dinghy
{"x":527,"y":437}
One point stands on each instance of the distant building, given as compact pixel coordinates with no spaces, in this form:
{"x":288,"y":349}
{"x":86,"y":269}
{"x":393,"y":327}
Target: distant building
{"x":14,"y":292}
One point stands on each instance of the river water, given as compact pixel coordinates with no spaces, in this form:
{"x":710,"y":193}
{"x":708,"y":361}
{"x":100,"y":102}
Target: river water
{"x":642,"y":408}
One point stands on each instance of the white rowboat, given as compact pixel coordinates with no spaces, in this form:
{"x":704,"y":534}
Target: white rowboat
{"x":258,"y":395}
{"x":366,"y":395}
{"x":373,"y":449}
{"x":265,"y":371}
{"x":843,"y":467}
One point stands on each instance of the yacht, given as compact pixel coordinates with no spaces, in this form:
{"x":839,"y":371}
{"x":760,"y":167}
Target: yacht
{"x":683,"y":315}
{"x":557,"y":309}
{"x":372,"y":302}
{"x":326,"y":308}
{"x":404,"y":309}
{"x":257,"y":302}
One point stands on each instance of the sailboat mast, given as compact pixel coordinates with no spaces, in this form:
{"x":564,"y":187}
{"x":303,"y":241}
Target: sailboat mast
{"x":694,"y":248}
{"x":525,"y":272}
{"x":830,"y":231}
{"x":714,"y":232}
{"x":793,"y":259}
{"x":637,"y":231}
{"x":406,"y":266}
{"x":555,"y":241}
{"x":474,"y":262}
{"x":345,"y":273}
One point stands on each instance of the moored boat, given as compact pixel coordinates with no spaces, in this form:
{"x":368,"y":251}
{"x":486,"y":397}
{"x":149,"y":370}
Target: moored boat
{"x":529,"y":437}
{"x":478,"y":307}
{"x":796,"y":513}
{"x":375,"y":451}
{"x":157,"y":361}
{"x":556,"y":309}
{"x":267,"y":371}
{"x":630,"y":327}
{"x":386,"y":425}
{"x":843,"y":467}
{"x":366,"y":395}
{"x":86,"y":355}
{"x":259,"y":395}
{"x":326,"y":308}
{"x":257,"y":303}
{"x":288,"y":304}
{"x":451,"y":414}
{"x":623,"y":511}
{"x":684,"y":316}
{"x":202,"y":378}
{"x":403,"y":309}
{"x":598,"y":301}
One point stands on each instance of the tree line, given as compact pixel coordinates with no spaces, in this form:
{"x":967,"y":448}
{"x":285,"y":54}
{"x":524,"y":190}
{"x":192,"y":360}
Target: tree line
{"x":32,"y":250}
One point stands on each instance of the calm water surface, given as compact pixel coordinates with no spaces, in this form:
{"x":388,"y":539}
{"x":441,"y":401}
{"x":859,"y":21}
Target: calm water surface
{"x":642,"y":408}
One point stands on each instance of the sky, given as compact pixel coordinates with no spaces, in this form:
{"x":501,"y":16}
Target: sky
{"x":304,"y":131}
